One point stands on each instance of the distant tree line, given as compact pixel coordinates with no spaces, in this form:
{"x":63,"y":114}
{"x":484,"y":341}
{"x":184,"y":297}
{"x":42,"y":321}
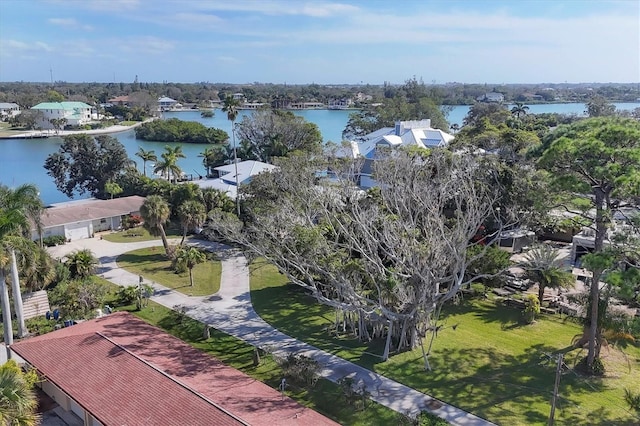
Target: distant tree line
{"x":175,"y":130}
{"x":29,"y":94}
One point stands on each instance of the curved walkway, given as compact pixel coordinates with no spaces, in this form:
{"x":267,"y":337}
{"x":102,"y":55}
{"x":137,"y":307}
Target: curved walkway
{"x":230,"y":310}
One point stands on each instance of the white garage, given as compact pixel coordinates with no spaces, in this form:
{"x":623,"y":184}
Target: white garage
{"x":78,"y":231}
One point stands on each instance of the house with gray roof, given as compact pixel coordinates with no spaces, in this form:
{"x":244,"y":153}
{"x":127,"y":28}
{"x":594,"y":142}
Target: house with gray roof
{"x":8,"y":110}
{"x":80,"y":219}
{"x":76,"y":113}
{"x":228,"y":176}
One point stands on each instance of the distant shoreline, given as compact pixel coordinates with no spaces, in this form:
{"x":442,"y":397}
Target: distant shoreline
{"x":44,"y":134}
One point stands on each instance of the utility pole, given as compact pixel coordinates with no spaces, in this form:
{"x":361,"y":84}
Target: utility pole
{"x":555,"y":389}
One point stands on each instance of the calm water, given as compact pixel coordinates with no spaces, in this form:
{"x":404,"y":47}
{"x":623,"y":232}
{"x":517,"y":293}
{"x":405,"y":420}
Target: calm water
{"x":23,"y":159}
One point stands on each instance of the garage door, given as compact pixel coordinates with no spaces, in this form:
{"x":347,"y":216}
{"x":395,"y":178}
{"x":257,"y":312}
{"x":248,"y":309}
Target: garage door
{"x":77,"y":231}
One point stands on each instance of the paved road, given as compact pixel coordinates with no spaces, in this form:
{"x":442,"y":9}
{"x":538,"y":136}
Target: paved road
{"x":230,"y":310}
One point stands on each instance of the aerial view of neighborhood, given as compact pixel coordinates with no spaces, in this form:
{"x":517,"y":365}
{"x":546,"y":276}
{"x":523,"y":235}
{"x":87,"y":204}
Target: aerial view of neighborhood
{"x":315,"y":212}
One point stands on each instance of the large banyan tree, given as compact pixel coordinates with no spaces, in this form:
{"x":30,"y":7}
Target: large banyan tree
{"x":387,"y":258}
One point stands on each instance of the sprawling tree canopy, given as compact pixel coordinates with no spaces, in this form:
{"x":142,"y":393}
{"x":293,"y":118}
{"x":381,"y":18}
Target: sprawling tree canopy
{"x":387,"y":258}
{"x":599,"y":157}
{"x":85,"y":164}
{"x":267,"y":133}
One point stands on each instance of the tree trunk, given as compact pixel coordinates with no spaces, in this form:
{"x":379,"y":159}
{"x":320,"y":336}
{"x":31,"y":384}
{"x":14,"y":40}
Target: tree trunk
{"x":191,"y":276}
{"x":594,"y":293}
{"x":184,"y":235}
{"x":6,"y":313}
{"x":17,"y":295}
{"x":387,"y":346}
{"x":165,"y":243}
{"x":540,"y":293}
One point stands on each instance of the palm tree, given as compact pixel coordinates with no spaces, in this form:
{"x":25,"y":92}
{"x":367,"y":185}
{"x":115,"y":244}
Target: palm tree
{"x":212,"y":157}
{"x":190,"y":257}
{"x":541,"y":265}
{"x":155,"y":212}
{"x":19,"y":208}
{"x":192,"y":215}
{"x":18,"y":403}
{"x":146,"y":156}
{"x":169,"y":164}
{"x":230,"y":106}
{"x":38,"y":269}
{"x":519,"y":109}
{"x":81,"y":263}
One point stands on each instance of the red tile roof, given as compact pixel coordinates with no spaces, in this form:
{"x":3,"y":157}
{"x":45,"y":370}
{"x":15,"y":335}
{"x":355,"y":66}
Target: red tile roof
{"x":102,"y":364}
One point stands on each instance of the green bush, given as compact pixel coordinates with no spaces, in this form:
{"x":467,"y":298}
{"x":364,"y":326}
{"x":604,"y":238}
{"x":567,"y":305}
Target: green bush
{"x":299,"y":368}
{"x":54,"y":240}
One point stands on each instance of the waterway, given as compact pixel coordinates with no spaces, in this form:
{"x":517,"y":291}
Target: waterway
{"x":23,"y":159}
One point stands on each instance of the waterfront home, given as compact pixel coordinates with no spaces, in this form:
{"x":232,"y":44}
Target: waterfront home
{"x":75,"y":113}
{"x":8,"y":110}
{"x":81,"y":219}
{"x":343,"y":103}
{"x":119,"y":370}
{"x":491,"y":97}
{"x":416,"y":133}
{"x":167,"y":104}
{"x":227,"y":176}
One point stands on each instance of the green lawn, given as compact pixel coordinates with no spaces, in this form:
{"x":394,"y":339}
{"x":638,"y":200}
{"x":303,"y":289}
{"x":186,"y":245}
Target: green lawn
{"x":153,"y":265}
{"x":324,"y":397}
{"x":491,"y":364}
{"x":138,"y":234}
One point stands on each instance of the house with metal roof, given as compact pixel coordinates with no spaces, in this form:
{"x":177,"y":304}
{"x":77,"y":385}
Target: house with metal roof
{"x":166,"y":104}
{"x":229,"y":175}
{"x":80,"y":219}
{"x":414,"y":133}
{"x":8,"y":110}
{"x":75,"y":113}
{"x":119,"y":370}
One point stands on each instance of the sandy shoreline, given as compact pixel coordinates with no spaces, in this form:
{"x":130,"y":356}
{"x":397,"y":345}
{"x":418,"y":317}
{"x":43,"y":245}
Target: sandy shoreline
{"x":52,"y":133}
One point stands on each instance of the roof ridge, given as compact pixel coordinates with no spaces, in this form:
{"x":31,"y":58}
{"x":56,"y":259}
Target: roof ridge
{"x":170,"y":377}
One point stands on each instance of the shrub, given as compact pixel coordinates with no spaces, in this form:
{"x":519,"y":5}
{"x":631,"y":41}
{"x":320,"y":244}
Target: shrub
{"x":131,"y":221}
{"x":532,"y":307}
{"x":632,"y":399}
{"x":299,"y":368}
{"x":54,"y":240}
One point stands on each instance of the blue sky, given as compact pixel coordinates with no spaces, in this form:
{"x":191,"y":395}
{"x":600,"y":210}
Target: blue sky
{"x":298,"y":41}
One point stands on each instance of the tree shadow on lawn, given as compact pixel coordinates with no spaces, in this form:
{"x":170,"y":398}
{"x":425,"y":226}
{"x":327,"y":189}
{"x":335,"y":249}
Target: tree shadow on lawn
{"x":293,"y":311}
{"x":509,"y":389}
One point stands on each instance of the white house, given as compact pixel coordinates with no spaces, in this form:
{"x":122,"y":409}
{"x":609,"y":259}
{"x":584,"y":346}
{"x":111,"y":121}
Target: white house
{"x":226,"y":182}
{"x":76,"y":113}
{"x":417,"y":133}
{"x":491,"y":97}
{"x":76,"y":220}
{"x":343,"y":103}
{"x":8,"y":110}
{"x":165,"y":103}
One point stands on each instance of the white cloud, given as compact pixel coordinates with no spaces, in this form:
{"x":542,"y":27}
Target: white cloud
{"x":9,"y":46}
{"x":69,"y":23}
{"x":316,"y":9}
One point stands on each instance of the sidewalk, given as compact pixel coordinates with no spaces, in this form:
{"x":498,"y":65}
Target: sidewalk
{"x":230,"y":311}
